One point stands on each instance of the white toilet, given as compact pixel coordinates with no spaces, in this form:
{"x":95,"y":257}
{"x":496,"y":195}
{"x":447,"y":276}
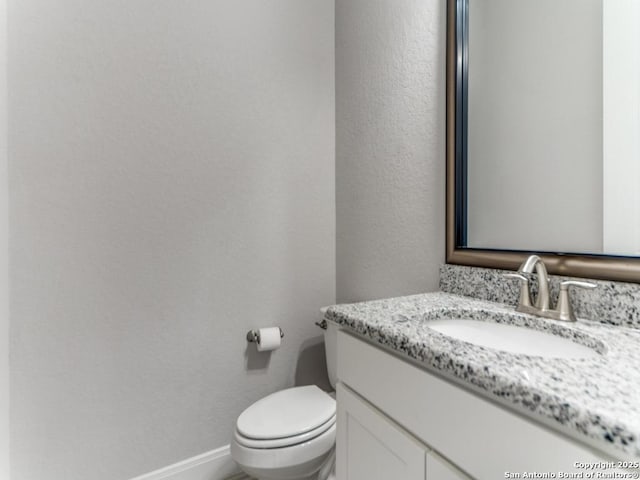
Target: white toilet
{"x":290,"y":434}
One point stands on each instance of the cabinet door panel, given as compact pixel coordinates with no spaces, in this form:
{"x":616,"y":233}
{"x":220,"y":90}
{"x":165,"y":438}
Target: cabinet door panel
{"x":438,"y":469}
{"x":372,"y":447}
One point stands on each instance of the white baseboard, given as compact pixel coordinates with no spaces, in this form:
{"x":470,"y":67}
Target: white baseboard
{"x":214,"y":465}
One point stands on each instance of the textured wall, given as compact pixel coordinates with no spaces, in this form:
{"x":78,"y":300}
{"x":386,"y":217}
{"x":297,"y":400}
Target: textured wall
{"x":4,"y":253}
{"x":172,"y":185}
{"x":390,"y":130}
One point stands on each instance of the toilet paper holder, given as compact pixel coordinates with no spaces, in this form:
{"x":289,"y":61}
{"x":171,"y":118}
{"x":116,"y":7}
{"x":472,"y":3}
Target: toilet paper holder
{"x":254,"y":335}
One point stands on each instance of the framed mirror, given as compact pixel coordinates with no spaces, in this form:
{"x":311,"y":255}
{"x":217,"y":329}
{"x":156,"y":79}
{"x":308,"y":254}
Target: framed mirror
{"x":543,"y":135}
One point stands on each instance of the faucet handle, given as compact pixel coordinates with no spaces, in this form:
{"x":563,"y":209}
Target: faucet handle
{"x":564,"y":308}
{"x":517,"y":276}
{"x":525,"y":296}
{"x":576,"y":283}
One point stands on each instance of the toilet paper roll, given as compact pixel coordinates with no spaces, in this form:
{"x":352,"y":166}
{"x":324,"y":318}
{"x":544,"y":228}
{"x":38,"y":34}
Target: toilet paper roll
{"x":269,"y":339}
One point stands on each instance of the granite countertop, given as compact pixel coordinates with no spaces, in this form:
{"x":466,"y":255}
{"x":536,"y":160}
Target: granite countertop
{"x":597,"y":397}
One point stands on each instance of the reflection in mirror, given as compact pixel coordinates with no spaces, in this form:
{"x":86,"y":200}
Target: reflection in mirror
{"x":553,"y":126}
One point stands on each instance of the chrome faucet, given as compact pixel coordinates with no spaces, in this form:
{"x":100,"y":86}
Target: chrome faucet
{"x":541,"y":308}
{"x":542,"y":300}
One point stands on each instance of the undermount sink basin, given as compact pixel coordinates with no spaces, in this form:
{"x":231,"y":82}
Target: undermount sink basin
{"x":511,"y":338}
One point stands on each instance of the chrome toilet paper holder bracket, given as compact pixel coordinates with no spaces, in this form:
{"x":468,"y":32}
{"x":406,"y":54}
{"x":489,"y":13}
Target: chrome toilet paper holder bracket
{"x":253,"y":336}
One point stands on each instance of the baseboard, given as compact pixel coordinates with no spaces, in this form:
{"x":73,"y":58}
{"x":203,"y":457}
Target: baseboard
{"x":214,"y":465}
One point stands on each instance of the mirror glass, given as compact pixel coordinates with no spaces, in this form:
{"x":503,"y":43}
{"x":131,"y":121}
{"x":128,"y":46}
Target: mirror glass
{"x":551,"y":125}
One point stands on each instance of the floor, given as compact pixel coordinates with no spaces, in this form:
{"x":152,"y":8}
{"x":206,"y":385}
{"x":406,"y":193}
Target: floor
{"x":242,"y":476}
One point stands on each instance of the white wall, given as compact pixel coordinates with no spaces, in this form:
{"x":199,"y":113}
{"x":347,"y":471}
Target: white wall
{"x":171,"y":186}
{"x":390,"y":150}
{"x":535,"y":116}
{"x":4,"y":253}
{"x":621,"y":123}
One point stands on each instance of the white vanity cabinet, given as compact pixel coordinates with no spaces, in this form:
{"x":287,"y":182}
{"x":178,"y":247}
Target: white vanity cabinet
{"x":373,"y":447}
{"x":396,"y":420}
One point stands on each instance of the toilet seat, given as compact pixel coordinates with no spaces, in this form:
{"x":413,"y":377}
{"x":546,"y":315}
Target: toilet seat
{"x":299,"y":456}
{"x":287,"y":413}
{"x":286,"y":441}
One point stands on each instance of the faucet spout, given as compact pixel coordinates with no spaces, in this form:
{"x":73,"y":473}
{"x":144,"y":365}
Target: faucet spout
{"x":534,"y":261}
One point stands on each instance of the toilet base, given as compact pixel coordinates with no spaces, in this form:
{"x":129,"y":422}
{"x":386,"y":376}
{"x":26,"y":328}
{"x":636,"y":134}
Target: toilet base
{"x":323,"y":468}
{"x":312,"y":477}
{"x":315,"y":476}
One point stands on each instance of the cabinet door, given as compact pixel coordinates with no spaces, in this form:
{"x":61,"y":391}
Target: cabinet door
{"x":439,"y":469}
{"x":369,"y":446}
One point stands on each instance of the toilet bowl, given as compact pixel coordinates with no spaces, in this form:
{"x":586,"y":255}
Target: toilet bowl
{"x":290,"y":434}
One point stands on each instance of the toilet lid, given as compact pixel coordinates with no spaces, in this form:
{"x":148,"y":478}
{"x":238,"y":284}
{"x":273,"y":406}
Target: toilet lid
{"x":286,"y":441}
{"x":286,"y":413}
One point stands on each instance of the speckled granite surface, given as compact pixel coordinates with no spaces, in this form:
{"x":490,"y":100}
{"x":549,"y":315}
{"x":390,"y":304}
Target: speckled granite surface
{"x":594,"y":397}
{"x":613,"y":303}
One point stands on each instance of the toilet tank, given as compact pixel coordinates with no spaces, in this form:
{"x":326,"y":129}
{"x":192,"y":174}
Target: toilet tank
{"x":330,"y":350}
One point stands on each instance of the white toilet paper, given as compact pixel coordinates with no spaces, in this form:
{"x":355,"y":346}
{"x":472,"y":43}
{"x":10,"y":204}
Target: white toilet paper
{"x":269,"y":339}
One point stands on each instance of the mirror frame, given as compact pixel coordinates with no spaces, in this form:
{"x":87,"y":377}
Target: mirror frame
{"x":606,"y":267}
